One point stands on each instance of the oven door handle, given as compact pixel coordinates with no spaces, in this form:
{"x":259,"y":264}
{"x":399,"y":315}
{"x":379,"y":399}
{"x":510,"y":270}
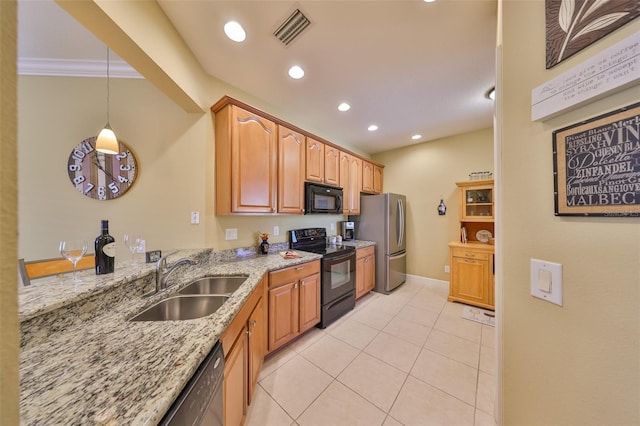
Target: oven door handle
{"x":339,"y":258}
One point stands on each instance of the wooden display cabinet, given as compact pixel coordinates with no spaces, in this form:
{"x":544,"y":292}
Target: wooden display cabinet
{"x":472,"y":262}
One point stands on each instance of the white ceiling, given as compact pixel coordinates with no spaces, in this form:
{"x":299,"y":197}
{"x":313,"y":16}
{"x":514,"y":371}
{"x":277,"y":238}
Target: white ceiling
{"x":408,"y":66}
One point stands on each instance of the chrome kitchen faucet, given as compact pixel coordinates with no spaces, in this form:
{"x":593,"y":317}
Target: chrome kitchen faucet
{"x":163,"y":272}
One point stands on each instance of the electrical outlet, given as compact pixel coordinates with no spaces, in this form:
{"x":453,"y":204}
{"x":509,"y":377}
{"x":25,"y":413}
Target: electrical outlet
{"x":447,"y":269}
{"x":333,"y":226}
{"x":276,"y":231}
{"x":231,"y":234}
{"x":195,"y":218}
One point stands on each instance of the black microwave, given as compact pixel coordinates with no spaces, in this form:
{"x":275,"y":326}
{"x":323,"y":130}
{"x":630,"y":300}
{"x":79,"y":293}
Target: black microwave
{"x":321,"y":199}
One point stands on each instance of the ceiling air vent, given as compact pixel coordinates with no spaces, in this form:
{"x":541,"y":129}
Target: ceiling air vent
{"x":292,"y":27}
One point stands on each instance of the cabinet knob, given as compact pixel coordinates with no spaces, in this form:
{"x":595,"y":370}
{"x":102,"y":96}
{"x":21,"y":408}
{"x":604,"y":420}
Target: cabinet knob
{"x":302,"y":210}
{"x":253,"y":323}
{"x":295,"y":285}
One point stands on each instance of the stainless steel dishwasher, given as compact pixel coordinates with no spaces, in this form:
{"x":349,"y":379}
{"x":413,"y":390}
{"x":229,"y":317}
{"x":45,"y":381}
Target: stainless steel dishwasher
{"x":200,"y":402}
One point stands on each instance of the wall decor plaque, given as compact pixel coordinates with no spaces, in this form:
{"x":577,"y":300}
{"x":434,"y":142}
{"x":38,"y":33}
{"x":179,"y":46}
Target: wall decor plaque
{"x":596,"y":166}
{"x":572,"y":25}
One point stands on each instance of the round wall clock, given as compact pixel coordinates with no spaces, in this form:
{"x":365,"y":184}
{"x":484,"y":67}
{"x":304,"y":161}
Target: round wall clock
{"x":99,"y":175}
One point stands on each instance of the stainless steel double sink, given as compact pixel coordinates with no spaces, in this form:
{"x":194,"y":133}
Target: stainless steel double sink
{"x":197,"y":299}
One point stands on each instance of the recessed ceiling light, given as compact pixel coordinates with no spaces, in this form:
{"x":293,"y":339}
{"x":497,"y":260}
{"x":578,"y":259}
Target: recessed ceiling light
{"x":416,"y":137}
{"x":490,"y":94}
{"x":372,"y":128}
{"x":234,"y":31}
{"x":344,"y":107}
{"x":429,"y":1}
{"x":296,"y":72}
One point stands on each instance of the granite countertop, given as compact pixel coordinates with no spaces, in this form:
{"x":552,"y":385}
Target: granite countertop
{"x":358,"y":244}
{"x":83,"y":362}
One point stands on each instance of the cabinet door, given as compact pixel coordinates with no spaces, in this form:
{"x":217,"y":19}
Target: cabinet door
{"x":235,"y":382}
{"x":360,"y":291}
{"x":253,"y":163}
{"x":345,"y":176}
{"x":291,"y":152}
{"x":355,"y":183}
{"x":283,"y":314}
{"x":331,"y":166}
{"x":377,"y":179}
{"x":257,"y":346}
{"x":470,"y":280}
{"x":315,"y":161}
{"x":369,"y":272}
{"x":476,"y":203}
{"x":309,"y":302}
{"x":367,"y":177}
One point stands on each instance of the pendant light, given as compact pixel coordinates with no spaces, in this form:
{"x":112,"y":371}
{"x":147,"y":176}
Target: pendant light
{"x":107,"y":141}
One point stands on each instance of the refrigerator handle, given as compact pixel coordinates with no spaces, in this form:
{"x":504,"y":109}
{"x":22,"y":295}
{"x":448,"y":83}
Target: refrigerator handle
{"x":400,"y":220}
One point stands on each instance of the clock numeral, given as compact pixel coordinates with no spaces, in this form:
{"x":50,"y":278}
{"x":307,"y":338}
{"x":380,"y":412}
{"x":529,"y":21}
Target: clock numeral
{"x":122,"y":179}
{"x":74,"y":167}
{"x":88,"y":188}
{"x":78,"y":155}
{"x":78,"y":179}
{"x":86,"y":147}
{"x":121,"y":156}
{"x":124,"y":168}
{"x":102,"y":193}
{"x":114,"y":187}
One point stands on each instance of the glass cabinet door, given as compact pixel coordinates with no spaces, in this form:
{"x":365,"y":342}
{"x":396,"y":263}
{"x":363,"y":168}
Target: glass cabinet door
{"x":477,"y":203}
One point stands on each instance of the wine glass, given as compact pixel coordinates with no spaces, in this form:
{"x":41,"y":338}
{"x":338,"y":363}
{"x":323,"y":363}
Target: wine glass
{"x":133,"y":243}
{"x":73,"y":250}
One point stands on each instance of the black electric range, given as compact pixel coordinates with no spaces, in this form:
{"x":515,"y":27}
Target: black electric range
{"x":314,"y":240}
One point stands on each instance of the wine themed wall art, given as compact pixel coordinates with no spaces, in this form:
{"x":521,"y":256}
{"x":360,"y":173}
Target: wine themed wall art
{"x":596,"y":166}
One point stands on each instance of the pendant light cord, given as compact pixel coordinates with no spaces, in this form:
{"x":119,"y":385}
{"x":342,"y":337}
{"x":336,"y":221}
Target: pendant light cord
{"x":108,"y":86}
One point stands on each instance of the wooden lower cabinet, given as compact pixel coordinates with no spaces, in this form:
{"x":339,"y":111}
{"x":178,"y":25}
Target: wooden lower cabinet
{"x":244,"y":346}
{"x":294,"y":302}
{"x":365,"y":270}
{"x":472,"y":275}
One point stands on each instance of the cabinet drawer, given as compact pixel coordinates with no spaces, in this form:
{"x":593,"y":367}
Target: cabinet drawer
{"x":469,"y":254}
{"x":293,"y":273}
{"x":364,"y":252}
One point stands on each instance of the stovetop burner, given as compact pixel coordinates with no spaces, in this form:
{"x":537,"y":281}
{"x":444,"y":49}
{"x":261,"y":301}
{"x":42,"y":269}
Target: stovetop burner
{"x":314,"y":240}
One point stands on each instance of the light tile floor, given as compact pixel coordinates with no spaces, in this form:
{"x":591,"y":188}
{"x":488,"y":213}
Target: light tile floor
{"x":408,"y":358}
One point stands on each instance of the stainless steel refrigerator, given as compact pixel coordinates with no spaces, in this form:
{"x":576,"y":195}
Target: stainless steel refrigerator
{"x":382,"y":219}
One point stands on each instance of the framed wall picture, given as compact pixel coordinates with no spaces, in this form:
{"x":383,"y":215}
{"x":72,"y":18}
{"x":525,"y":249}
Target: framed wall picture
{"x":596,"y":166}
{"x":572,"y":25}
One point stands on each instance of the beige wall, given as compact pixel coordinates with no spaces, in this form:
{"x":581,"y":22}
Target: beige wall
{"x":578,"y":364}
{"x":175,"y":152}
{"x":425,"y":173}
{"x":9,"y":331}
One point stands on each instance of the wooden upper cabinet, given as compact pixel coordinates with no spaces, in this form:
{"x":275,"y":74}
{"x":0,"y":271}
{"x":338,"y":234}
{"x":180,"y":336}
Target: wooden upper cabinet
{"x":315,"y":161}
{"x":331,"y":165}
{"x":246,"y":162}
{"x":355,"y":183}
{"x":351,"y":182}
{"x":345,"y":160}
{"x":367,"y":177}
{"x":323,"y":163}
{"x":291,"y":171}
{"x":377,"y":179}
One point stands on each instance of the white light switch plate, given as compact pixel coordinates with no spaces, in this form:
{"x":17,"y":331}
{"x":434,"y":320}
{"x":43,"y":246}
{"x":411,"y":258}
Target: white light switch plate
{"x":546,"y":276}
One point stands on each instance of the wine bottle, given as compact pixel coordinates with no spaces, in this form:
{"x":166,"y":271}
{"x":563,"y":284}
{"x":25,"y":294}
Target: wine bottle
{"x":105,"y":250}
